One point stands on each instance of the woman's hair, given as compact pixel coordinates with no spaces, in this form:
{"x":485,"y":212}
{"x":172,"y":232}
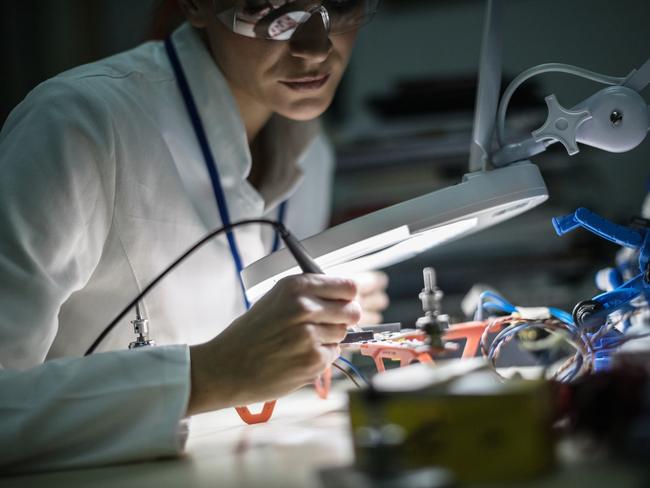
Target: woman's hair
{"x":167,"y":15}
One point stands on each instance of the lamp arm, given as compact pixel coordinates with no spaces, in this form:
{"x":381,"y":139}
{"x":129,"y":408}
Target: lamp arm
{"x":615,"y":119}
{"x":551,"y":68}
{"x":517,"y":151}
{"x":638,"y":79}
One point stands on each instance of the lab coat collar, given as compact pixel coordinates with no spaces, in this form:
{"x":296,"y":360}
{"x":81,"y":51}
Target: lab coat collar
{"x":287,"y":140}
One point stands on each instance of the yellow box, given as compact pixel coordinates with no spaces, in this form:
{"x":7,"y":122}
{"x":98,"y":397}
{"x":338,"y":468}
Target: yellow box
{"x":503,"y":435}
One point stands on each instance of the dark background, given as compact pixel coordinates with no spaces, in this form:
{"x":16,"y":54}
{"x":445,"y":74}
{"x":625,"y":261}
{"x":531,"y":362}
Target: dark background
{"x":402,"y":120}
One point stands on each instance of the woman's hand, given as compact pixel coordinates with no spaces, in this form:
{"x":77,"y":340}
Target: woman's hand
{"x":283,"y":342}
{"x":372,"y":296}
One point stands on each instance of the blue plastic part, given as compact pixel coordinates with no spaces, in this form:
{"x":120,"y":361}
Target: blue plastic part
{"x":623,"y":294}
{"x":618,"y":234}
{"x":604,"y":348}
{"x":602,"y":364}
{"x":615,"y":278}
{"x":565,"y":224}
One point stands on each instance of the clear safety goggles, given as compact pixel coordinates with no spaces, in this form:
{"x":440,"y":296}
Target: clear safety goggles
{"x":279,"y":19}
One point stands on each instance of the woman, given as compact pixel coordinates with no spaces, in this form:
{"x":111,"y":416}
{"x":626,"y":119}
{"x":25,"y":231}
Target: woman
{"x":110,"y":171}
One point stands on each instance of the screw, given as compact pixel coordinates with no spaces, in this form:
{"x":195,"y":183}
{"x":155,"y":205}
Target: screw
{"x":586,"y":316}
{"x":616,"y":118}
{"x":429,"y":279}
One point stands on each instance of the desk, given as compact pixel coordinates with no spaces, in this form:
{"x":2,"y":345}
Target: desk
{"x":305,"y":434}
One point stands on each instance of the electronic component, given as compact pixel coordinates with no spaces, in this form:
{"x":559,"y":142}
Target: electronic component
{"x":394,"y":327}
{"x":459,"y":417}
{"x":141,"y":329}
{"x":353,"y":336}
{"x":433,"y":323}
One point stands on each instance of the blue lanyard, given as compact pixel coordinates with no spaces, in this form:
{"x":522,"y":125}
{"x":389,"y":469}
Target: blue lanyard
{"x":219,"y":195}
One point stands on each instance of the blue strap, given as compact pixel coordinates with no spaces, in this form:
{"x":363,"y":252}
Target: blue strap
{"x":282,"y":212}
{"x":199,"y":130}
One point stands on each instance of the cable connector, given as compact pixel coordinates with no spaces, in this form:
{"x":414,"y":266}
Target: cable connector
{"x":141,"y":329}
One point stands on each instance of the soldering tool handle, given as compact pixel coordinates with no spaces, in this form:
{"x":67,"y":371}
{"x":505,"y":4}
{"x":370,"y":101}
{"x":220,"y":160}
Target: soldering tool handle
{"x":302,"y":257}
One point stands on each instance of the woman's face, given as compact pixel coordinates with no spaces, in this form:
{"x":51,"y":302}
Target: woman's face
{"x":295,"y":78}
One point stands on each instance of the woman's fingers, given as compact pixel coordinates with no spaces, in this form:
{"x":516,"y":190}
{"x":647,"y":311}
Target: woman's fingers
{"x":327,"y":333}
{"x":319,"y":311}
{"x":375,"y":302}
{"x":370,"y":282}
{"x":321,"y":286}
{"x":371,"y":318}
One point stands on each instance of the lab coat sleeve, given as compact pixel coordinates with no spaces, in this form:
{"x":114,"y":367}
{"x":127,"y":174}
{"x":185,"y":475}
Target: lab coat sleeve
{"x":57,"y":191}
{"x":57,"y":160}
{"x":106,"y":408}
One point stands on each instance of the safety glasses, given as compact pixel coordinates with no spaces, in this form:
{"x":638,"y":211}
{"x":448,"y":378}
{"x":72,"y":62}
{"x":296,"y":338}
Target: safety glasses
{"x":279,"y":19}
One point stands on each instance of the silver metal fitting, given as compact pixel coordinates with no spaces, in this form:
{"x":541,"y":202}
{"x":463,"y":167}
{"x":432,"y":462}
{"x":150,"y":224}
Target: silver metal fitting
{"x":141,"y":330}
{"x":432,"y":322}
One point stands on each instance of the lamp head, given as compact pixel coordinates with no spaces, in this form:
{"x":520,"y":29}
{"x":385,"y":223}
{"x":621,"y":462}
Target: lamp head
{"x":396,"y":233}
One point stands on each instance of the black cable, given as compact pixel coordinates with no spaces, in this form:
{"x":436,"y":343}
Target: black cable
{"x":281,"y":229}
{"x":346,"y":373}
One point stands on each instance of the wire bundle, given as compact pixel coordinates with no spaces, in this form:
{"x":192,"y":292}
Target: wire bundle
{"x":577,"y":365}
{"x":588,"y":346}
{"x":352,"y":368}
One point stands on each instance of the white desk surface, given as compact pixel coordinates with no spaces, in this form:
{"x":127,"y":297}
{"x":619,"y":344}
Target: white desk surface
{"x":305,"y":434}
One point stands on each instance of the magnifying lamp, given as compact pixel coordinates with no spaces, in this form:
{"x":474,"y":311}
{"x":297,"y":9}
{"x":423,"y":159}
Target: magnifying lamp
{"x":402,"y":231}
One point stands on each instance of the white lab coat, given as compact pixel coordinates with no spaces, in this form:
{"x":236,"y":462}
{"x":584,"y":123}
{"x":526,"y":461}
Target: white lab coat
{"x":103,"y":184}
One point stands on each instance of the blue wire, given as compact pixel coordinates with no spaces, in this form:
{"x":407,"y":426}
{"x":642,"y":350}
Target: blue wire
{"x":561,"y":315}
{"x":506,"y":305}
{"x":571,"y":374}
{"x":499,"y":307}
{"x":503,"y":335}
{"x":487,"y":306}
{"x":354,"y":369}
{"x":494,"y":301}
{"x":503,"y":305}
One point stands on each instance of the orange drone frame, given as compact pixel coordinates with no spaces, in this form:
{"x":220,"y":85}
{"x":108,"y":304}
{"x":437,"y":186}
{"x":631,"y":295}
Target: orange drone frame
{"x":407,"y":348}
{"x":322,"y":385}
